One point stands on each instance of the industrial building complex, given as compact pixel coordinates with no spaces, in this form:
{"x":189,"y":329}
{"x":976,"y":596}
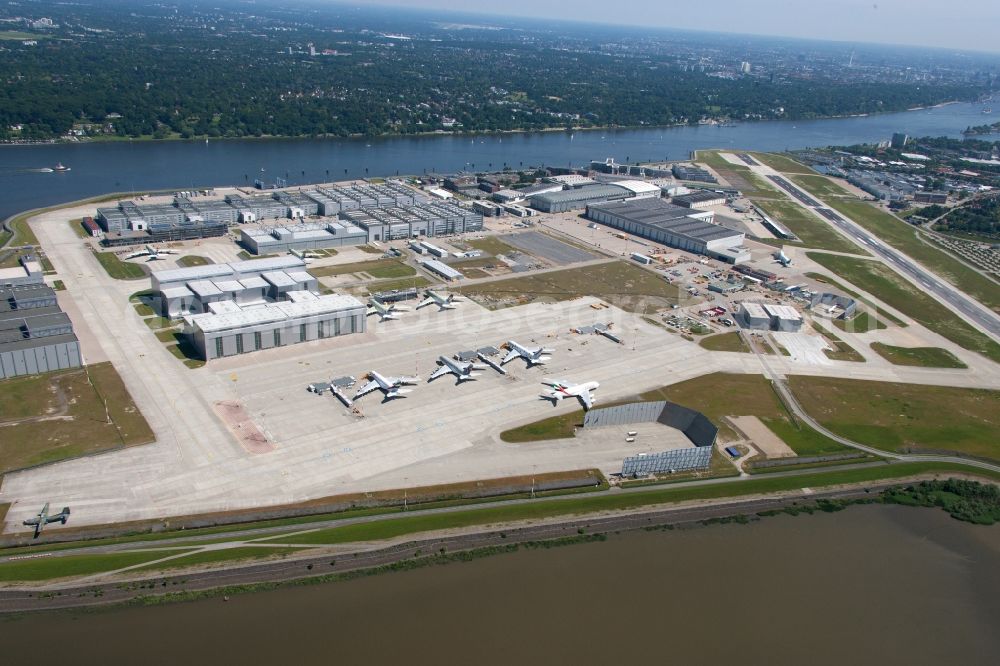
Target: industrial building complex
{"x":35,"y":334}
{"x":246,"y":306}
{"x":674,"y":226}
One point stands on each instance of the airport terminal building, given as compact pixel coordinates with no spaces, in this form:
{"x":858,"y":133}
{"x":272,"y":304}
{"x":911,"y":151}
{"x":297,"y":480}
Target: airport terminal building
{"x":674,"y":226}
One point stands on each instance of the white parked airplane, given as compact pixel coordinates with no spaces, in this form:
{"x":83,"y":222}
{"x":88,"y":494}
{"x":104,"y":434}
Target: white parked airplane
{"x":462,"y":369}
{"x":150,"y":251}
{"x":304,"y":255}
{"x":384,"y":310}
{"x":390,"y":386}
{"x":434,"y":298}
{"x":782,"y":258}
{"x":533,"y":355}
{"x":560,"y":389}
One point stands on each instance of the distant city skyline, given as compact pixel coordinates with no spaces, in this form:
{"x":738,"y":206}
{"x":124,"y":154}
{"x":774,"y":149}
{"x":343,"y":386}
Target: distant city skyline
{"x":959,"y":24}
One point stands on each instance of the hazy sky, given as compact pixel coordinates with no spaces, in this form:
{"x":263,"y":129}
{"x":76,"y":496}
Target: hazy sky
{"x":965,"y":24}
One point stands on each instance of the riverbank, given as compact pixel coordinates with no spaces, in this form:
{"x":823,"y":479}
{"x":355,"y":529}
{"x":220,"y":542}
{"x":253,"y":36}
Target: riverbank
{"x":706,"y":122}
{"x":337,"y":562}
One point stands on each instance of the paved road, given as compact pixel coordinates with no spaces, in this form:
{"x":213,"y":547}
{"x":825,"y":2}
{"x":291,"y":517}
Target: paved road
{"x":793,"y":404}
{"x":949,"y":294}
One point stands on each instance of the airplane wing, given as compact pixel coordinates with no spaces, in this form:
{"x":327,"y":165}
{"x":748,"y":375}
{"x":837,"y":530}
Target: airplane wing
{"x":404,"y":380}
{"x":587,"y":398}
{"x":440,"y":372}
{"x":367,"y":388}
{"x":426,"y":301}
{"x":133,"y":255}
{"x":511,"y":355}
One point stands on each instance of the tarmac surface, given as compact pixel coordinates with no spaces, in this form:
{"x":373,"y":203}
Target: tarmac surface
{"x":440,"y":433}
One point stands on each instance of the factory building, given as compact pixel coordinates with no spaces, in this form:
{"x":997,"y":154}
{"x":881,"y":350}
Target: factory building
{"x":304,"y":236}
{"x":541,"y":188}
{"x":576,"y":199}
{"x":769,"y":316}
{"x":230,"y":329}
{"x":931,"y":197}
{"x":441,"y":269}
{"x":29,"y":272}
{"x":181,"y":291}
{"x":35,"y":335}
{"x":674,"y":226}
{"x":572,"y":180}
{"x":433,"y":219}
{"x":640,"y":189}
{"x":692,"y":173}
{"x":701,"y":199}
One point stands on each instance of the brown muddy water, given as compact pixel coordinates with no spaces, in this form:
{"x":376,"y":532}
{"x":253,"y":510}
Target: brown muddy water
{"x":871,"y":584}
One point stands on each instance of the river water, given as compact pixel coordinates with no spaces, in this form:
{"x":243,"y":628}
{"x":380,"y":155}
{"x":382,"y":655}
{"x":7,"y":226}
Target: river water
{"x":98,"y":168}
{"x":872,"y":584}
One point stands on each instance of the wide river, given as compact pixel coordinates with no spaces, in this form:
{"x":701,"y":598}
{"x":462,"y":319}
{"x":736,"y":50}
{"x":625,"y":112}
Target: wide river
{"x":98,"y":168}
{"x":869,"y":585}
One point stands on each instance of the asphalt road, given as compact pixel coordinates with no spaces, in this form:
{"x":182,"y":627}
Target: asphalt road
{"x":948,"y":293}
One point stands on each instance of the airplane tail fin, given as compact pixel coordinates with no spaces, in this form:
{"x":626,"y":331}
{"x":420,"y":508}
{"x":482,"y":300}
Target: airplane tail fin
{"x":65,"y":511}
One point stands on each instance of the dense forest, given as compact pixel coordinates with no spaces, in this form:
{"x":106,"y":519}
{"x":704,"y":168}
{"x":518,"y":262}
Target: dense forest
{"x":979,"y":217}
{"x":164,"y":72}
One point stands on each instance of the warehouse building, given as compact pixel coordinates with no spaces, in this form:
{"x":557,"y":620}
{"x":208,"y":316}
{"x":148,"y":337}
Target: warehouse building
{"x":181,"y":291}
{"x":35,"y":334}
{"x":29,"y":272}
{"x":701,"y":199}
{"x":441,"y":269}
{"x":303,"y":236}
{"x":769,"y":316}
{"x":432,"y":219}
{"x":230,"y":329}
{"x":579,"y":198}
{"x":690,"y":172}
{"x":673,"y":226}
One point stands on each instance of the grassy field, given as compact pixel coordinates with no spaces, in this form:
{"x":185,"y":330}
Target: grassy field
{"x":725,"y":342}
{"x":224,"y":555}
{"x":716,"y":396}
{"x":494,"y":245}
{"x":629,"y":287}
{"x":17,"y":35}
{"x":61,"y":415}
{"x":59,"y":285}
{"x":927,"y":357}
{"x":118,"y":269}
{"x":875,"y":278}
{"x":75,"y":565}
{"x":377,"y":268}
{"x":738,"y":175}
{"x":863,"y":322}
{"x":819,"y":277}
{"x":193,"y":260}
{"x":781,"y":163}
{"x":812,"y":231}
{"x":396,"y":527}
{"x":417,"y":281}
{"x":77,"y":227}
{"x":841,"y":350}
{"x":822,"y":187}
{"x":903,"y":237}
{"x":904,"y":417}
